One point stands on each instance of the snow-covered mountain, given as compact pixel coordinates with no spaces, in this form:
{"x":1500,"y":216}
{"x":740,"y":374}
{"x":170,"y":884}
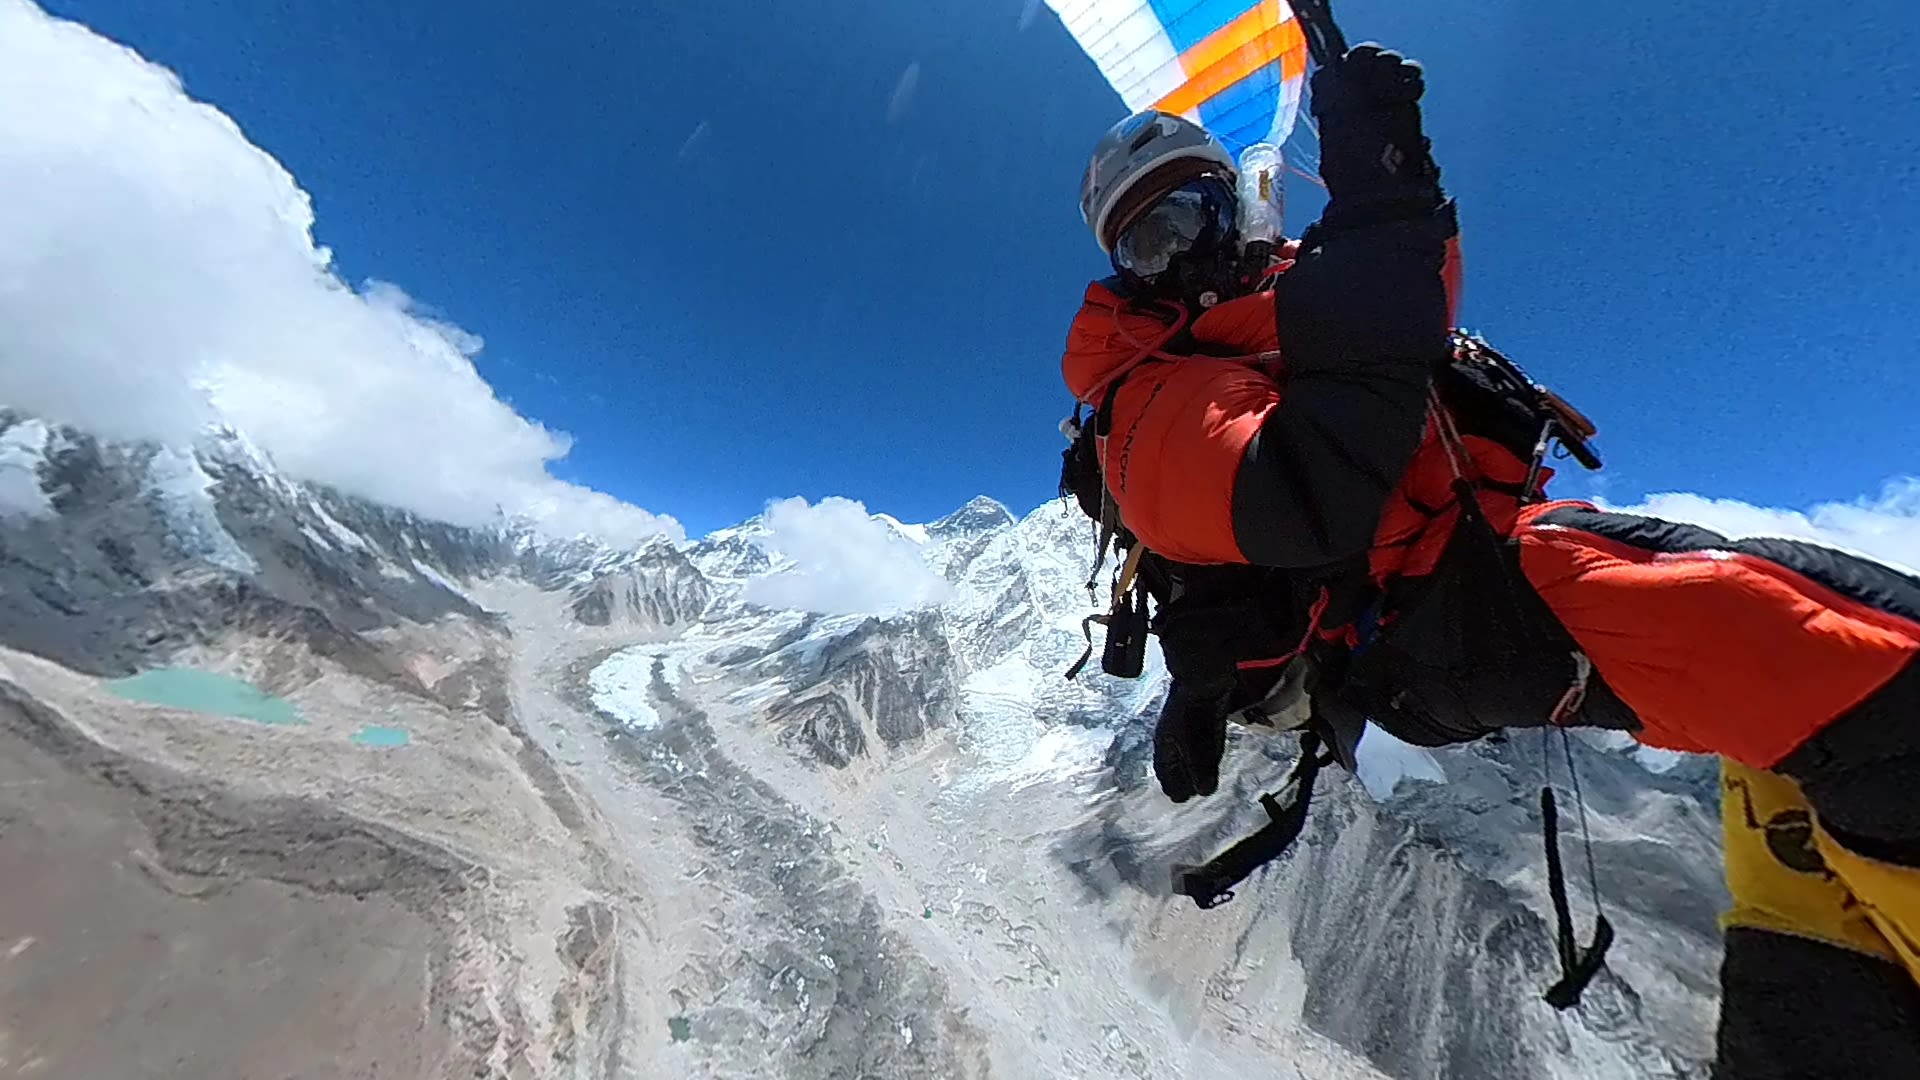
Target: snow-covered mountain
{"x":898,"y":845}
{"x":116,"y":551}
{"x":1412,"y":922}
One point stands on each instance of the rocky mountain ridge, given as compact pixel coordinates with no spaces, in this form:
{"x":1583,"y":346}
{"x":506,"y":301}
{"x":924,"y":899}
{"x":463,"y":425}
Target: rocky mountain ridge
{"x":1411,"y":919}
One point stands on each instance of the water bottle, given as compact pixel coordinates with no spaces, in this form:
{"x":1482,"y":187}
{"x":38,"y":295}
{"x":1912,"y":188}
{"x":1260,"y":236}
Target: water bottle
{"x":1263,"y":199}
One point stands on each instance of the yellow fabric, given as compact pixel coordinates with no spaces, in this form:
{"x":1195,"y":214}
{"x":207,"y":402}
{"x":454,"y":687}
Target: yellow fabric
{"x":1127,"y":573}
{"x":1786,"y":875}
{"x":1888,"y":894}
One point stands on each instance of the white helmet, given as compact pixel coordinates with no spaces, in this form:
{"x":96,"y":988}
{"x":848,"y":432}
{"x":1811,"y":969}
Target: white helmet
{"x":1138,"y":161}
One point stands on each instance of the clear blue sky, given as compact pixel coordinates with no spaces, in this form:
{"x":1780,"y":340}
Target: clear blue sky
{"x":711,"y":242}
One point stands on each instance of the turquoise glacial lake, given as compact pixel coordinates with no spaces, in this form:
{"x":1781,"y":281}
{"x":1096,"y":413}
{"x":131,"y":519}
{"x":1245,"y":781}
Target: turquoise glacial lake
{"x":207,"y":692}
{"x":384,"y":737}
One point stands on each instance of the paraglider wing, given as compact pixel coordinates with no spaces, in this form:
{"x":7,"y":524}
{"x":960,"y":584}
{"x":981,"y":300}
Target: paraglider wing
{"x":1238,"y":68}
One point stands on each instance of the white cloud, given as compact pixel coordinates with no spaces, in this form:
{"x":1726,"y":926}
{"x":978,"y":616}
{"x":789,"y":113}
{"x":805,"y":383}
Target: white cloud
{"x":903,"y":92}
{"x":1886,"y":527}
{"x":694,"y":140}
{"x":158,"y":272}
{"x":844,"y":562}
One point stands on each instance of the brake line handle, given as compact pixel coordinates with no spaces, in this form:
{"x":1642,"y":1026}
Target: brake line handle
{"x":1325,"y":42}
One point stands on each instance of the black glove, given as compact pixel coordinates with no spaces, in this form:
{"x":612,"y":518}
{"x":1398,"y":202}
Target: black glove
{"x":1191,"y":738}
{"x":1373,"y":155}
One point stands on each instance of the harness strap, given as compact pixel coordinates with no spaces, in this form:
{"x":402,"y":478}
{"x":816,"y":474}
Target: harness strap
{"x":1577,"y":969}
{"x":1086,"y":631}
{"x":1111,"y":527}
{"x":1128,"y":571}
{"x":1105,"y":541}
{"x":1211,"y":884}
{"x":1110,"y":523}
{"x":1307,"y":639}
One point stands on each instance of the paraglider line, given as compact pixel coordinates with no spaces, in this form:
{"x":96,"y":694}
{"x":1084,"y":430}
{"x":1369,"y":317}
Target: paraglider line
{"x":1586,"y":837}
{"x":1304,"y":174}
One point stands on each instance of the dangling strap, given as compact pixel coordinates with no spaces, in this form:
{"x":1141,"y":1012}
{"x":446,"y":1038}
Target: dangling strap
{"x":1086,"y":631}
{"x":1577,"y":969}
{"x":1110,"y":527}
{"x":1093,"y":593}
{"x":1212,"y":884}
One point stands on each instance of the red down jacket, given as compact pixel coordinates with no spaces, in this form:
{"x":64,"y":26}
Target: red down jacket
{"x":1795,"y":663}
{"x":1744,"y":650}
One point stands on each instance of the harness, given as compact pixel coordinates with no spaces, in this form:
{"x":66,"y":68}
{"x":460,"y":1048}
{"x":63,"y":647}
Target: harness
{"x":1363,"y":666}
{"x":1082,"y":478}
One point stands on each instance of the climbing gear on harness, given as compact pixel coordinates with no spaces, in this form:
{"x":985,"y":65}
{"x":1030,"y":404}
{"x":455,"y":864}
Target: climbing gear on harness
{"x":1124,"y":652}
{"x":1082,"y":477}
{"x":1559,"y":421}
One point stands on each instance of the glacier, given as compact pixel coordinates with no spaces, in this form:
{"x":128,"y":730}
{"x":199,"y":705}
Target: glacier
{"x":740,"y":840}
{"x":1412,"y":918}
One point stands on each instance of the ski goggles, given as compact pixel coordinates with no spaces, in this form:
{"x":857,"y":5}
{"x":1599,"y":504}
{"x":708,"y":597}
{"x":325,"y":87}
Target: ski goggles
{"x":1194,"y":218}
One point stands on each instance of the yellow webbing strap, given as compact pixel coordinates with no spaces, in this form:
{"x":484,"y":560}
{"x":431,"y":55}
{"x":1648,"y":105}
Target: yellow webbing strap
{"x":1128,"y":572}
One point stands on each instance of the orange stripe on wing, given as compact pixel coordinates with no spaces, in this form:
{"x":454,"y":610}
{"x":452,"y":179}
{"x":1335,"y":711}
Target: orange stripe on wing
{"x":1235,"y":51}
